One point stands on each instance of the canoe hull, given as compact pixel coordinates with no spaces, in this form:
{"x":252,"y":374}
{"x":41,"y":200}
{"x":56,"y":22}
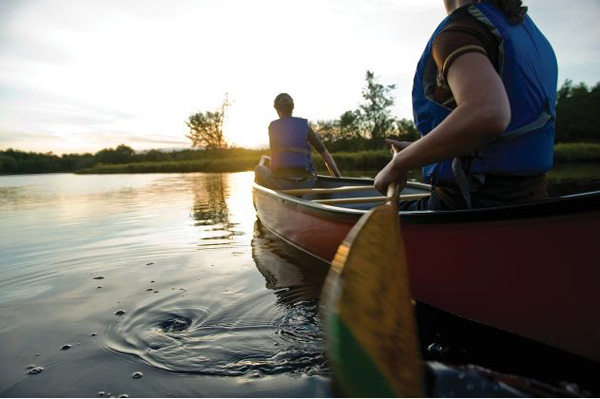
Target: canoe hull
{"x":529,"y":270}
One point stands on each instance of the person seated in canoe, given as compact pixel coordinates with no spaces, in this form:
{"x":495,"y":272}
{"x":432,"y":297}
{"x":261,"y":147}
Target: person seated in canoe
{"x":291,"y":140}
{"x":484,"y":100}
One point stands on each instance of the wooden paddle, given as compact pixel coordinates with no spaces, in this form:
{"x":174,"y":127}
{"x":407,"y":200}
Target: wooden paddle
{"x":370,"y":329}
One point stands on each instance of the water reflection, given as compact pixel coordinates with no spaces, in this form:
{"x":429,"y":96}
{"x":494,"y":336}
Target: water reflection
{"x":220,"y":320}
{"x":210,"y":201}
{"x":210,"y":209}
{"x":294,"y":275}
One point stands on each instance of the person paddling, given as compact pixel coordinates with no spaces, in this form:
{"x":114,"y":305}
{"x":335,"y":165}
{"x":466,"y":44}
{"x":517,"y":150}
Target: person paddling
{"x":484,"y":100}
{"x":291,"y":140}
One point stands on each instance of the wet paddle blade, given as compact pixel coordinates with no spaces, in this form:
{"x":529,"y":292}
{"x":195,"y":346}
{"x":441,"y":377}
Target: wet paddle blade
{"x":370,"y":327}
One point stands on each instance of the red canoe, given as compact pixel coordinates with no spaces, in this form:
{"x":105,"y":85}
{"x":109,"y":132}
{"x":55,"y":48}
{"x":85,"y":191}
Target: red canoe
{"x":531,"y":269}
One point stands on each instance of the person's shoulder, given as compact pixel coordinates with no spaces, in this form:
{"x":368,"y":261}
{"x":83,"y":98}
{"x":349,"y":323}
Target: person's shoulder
{"x":463,"y":33}
{"x":463,"y":17}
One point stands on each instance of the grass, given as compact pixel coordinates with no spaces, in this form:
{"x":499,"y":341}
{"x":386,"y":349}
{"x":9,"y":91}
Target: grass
{"x":209,"y":165}
{"x":564,"y":153}
{"x":576,"y":152}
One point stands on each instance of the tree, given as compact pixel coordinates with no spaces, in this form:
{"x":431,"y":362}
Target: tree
{"x":374,"y":114}
{"x":577,"y":117}
{"x":206,"y":128}
{"x":8,"y":164}
{"x":350,"y":124}
{"x":406,"y":130}
{"x":121,"y":154}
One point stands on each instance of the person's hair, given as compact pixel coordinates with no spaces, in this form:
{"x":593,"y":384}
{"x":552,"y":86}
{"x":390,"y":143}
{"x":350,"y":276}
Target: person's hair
{"x":514,"y":10}
{"x":284,"y":103}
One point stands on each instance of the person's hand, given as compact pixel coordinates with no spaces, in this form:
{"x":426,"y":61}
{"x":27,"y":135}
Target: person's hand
{"x":390,"y":173}
{"x":398,"y":146}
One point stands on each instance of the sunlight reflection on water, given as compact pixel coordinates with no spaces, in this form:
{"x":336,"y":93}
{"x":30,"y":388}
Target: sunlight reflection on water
{"x":110,"y":264}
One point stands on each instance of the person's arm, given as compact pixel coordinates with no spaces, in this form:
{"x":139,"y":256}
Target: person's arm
{"x":314,"y":140}
{"x":481,"y":115}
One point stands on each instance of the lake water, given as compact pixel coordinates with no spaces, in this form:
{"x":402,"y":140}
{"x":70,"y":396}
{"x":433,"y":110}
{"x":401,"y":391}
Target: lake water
{"x":164,"y":277}
{"x":167,"y":275}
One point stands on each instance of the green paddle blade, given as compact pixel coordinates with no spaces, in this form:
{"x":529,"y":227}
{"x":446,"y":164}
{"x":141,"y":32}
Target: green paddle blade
{"x":369,"y":320}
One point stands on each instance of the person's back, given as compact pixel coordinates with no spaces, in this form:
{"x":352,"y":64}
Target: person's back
{"x":290,"y":140}
{"x":290,"y":148}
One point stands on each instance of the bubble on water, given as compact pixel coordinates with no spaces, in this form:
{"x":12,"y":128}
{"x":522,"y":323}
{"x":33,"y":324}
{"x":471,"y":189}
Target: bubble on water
{"x":137,"y":374}
{"x":123,"y":395}
{"x":66,"y":347}
{"x":35,"y":370}
{"x":101,"y":393}
{"x":570,"y":387}
{"x":37,"y":354}
{"x":120,"y":312}
{"x":156,"y":292}
{"x":438,"y":349}
{"x":150,"y":289}
{"x":149,"y":263}
{"x":176,"y":325}
{"x":99,"y":287}
{"x":153,"y":281}
{"x":99,"y":278}
{"x":93,"y":334}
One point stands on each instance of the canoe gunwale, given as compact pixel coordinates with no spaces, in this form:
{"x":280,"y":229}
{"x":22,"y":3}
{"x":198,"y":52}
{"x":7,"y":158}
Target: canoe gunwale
{"x":552,"y":207}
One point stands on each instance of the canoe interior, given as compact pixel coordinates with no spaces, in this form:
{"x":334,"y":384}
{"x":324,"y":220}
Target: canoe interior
{"x":325,"y":182}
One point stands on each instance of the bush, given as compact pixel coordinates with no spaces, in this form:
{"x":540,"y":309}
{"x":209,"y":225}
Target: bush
{"x":577,"y":152}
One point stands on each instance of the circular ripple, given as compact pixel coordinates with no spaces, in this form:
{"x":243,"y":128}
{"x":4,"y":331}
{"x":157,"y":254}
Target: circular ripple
{"x":251,"y":336}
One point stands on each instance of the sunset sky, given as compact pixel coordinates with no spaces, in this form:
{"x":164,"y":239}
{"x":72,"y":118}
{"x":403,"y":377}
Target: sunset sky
{"x":82,"y":75}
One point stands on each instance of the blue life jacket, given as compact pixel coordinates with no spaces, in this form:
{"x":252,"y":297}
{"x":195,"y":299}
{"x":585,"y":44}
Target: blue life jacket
{"x":528,"y":68}
{"x":288,"y":139}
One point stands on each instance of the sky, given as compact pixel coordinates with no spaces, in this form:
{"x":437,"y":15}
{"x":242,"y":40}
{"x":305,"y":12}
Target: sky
{"x":82,"y":75}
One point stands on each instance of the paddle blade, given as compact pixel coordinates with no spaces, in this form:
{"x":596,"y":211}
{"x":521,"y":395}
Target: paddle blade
{"x":370,"y":327}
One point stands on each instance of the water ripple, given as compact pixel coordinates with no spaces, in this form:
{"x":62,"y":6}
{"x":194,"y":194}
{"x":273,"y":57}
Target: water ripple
{"x":247,"y":337}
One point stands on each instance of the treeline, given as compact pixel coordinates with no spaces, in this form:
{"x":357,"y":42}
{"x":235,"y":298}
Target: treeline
{"x":366,"y":127}
{"x":16,"y":162}
{"x":362,"y":129}
{"x":577,"y":119}
{"x":577,"y":115}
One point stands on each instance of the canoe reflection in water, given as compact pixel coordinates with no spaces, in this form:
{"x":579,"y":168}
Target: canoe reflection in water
{"x":296,"y":280}
{"x":291,"y":273}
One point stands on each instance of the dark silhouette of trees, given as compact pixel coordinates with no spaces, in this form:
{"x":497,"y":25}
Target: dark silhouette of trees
{"x":366,"y":127}
{"x":374,"y":114}
{"x":577,"y":116}
{"x":206,"y":128}
{"x":121,"y":154}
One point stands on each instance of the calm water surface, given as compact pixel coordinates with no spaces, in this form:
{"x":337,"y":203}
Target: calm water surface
{"x":170,"y":276}
{"x":164,"y":277}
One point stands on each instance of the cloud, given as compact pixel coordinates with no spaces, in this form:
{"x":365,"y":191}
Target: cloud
{"x":97,"y":74}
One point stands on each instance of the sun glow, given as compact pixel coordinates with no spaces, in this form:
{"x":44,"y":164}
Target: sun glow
{"x":112,"y":72}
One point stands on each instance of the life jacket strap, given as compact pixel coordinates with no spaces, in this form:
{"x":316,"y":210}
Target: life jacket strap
{"x":539,"y":123}
{"x":461,"y":165}
{"x":461,"y":176}
{"x":295,"y":149}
